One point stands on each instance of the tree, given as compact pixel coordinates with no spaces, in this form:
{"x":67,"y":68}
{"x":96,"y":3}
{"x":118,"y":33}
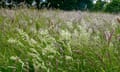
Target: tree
{"x":55,"y":3}
{"x":99,"y":6}
{"x":71,"y":4}
{"x":113,"y":6}
{"x":85,"y":4}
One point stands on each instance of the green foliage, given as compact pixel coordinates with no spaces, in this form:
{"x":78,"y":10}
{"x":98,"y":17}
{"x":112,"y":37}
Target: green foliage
{"x":69,"y":4}
{"x":85,"y":4}
{"x":99,"y":6}
{"x":113,"y":6}
{"x":63,"y":4}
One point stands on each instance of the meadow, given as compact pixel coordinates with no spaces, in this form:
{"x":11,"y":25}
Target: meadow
{"x":59,"y":41}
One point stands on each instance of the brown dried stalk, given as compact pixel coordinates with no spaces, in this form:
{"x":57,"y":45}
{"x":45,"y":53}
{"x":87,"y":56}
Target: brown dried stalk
{"x":108,"y":36}
{"x":118,"y":19}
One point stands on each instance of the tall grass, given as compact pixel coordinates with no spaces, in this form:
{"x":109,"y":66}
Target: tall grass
{"x":58,"y":41}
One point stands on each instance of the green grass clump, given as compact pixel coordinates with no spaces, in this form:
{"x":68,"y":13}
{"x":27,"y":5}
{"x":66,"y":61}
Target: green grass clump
{"x":46,"y":41}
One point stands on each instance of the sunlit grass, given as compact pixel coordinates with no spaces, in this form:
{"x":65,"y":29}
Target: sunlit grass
{"x":58,"y":41}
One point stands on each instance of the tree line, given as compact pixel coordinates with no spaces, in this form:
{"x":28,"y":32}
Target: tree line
{"x":91,"y":5}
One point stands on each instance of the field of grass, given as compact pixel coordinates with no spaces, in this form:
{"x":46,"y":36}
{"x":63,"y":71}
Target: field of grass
{"x":58,"y":41}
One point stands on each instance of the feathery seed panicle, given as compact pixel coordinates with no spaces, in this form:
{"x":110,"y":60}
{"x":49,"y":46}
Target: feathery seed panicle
{"x":69,"y":41}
